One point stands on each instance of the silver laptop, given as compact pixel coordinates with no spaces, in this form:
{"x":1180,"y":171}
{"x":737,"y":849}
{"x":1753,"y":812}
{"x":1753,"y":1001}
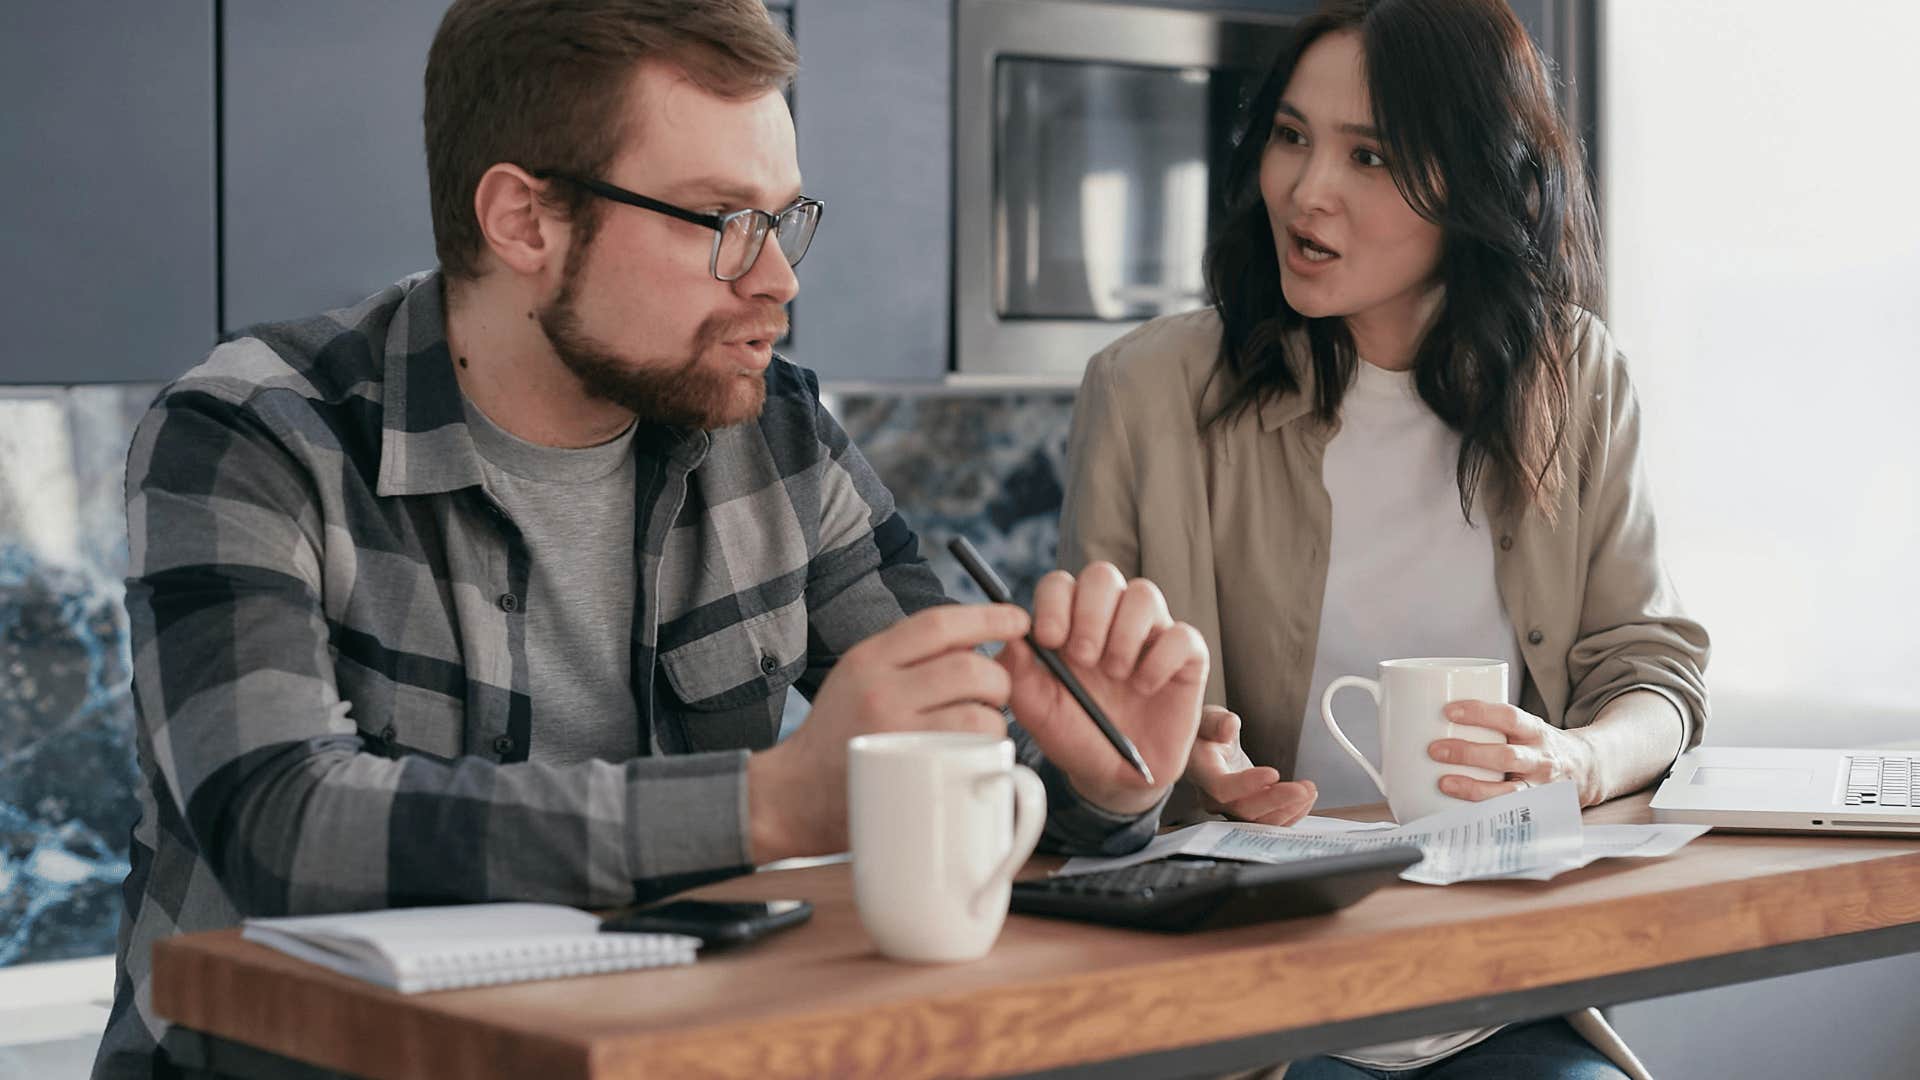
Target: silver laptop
{"x":1845,"y":791}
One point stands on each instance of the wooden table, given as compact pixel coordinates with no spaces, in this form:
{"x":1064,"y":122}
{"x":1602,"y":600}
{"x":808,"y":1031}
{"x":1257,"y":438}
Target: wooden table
{"x":1071,"y":999}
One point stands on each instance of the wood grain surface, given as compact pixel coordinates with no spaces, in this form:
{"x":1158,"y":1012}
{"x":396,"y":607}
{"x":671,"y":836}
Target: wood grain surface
{"x":818,"y":1000}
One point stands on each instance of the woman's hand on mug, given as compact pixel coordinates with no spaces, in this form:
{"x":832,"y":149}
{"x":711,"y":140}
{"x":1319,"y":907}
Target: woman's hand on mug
{"x":1233,"y":785}
{"x":1535,"y":752}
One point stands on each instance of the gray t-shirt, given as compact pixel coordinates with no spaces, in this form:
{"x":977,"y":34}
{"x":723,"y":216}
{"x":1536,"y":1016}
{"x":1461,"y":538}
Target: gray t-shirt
{"x":574,"y":508}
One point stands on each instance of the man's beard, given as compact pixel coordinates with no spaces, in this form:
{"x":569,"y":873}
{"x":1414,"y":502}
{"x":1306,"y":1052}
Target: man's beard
{"x":685,"y":395}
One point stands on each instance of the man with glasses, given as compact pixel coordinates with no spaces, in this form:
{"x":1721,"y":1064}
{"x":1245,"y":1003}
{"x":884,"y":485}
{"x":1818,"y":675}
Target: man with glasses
{"x":493,"y":585}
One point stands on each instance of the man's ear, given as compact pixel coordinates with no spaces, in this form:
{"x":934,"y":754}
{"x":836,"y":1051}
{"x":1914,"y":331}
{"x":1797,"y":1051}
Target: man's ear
{"x":521,"y":231}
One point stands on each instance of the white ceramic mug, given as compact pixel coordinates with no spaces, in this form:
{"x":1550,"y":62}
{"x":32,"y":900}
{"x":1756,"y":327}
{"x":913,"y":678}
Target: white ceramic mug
{"x":1411,"y":694}
{"x":940,"y":822}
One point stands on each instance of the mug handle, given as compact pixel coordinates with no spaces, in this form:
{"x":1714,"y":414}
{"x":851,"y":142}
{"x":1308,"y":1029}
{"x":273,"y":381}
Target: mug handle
{"x":1029,"y":817}
{"x":1326,"y":713}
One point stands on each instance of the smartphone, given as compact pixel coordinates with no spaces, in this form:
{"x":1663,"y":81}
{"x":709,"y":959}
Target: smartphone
{"x":719,"y":924}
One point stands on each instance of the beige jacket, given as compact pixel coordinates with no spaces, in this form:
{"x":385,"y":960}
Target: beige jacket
{"x":1234,"y":527}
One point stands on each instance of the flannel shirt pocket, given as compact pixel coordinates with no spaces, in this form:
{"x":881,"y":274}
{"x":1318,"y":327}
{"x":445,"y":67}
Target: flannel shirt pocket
{"x":732,"y":684}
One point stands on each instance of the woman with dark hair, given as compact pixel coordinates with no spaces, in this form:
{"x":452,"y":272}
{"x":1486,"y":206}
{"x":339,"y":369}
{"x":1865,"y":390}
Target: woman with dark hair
{"x":1400,"y":430}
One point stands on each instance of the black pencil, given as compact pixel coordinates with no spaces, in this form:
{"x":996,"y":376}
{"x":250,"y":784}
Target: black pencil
{"x":996,"y":591}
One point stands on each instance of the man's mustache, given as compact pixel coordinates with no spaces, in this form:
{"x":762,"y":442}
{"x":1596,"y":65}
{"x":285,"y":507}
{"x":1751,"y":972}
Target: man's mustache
{"x":767,"y":324}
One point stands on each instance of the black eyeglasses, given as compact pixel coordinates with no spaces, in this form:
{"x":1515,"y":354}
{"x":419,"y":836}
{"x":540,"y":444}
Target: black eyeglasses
{"x":737,"y":236}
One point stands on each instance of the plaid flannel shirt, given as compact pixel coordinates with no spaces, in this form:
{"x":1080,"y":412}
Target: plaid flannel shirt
{"x":330,"y":668}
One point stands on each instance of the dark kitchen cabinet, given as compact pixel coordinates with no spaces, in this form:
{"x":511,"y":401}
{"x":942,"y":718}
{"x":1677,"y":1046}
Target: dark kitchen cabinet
{"x":107,"y":202}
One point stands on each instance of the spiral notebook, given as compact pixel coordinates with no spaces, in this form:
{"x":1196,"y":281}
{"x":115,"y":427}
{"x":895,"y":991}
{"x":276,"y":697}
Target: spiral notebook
{"x":446,"y":948}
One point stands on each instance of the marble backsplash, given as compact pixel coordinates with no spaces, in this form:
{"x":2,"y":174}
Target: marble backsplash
{"x":66,"y":721}
{"x":989,"y":467}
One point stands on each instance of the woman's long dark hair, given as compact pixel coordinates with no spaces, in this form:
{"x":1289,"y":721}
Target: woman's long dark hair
{"x":1475,"y":143}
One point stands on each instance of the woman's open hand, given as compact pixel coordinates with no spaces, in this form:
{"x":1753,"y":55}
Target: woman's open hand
{"x":1233,"y":785}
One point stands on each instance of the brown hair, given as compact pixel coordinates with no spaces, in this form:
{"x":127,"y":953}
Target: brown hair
{"x":1476,"y":143}
{"x":541,"y":83}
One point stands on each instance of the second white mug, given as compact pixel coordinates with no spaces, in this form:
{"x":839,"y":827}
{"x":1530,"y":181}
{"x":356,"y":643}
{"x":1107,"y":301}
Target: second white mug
{"x":939,"y":822}
{"x":1411,"y":694}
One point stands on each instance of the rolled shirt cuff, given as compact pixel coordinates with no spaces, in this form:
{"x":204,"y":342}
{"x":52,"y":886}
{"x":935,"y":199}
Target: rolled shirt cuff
{"x":1078,"y":827}
{"x":687,"y":818}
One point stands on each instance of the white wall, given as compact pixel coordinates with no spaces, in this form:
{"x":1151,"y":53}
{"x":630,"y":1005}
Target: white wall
{"x":1762,"y":202}
{"x":1761,"y":192}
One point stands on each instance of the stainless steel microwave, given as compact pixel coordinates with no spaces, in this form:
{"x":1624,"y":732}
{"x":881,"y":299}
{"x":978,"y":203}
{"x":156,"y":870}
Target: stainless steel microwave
{"x":1089,"y":139}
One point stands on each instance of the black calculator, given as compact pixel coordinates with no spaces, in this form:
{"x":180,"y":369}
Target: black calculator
{"x":1185,"y":893}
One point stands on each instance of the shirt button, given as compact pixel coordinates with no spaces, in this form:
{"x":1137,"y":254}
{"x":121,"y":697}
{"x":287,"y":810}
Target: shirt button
{"x":509,"y":603}
{"x":768,"y":664}
{"x":1506,"y":543}
{"x":503,"y":745}
{"x":1535,"y":637}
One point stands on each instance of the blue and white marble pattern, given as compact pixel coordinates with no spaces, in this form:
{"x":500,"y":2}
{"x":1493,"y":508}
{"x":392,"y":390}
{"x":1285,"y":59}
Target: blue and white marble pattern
{"x":989,"y":467}
{"x":66,"y":721}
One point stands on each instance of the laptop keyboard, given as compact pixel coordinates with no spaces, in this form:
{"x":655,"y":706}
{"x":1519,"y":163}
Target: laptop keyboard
{"x":1879,"y":780}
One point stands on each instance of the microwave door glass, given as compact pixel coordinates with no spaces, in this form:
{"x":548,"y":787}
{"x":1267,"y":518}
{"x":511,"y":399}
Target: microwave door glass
{"x":1103,"y":186}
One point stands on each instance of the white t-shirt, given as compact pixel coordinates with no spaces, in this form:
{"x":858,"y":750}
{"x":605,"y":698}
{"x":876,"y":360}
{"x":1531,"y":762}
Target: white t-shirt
{"x":1406,"y":576}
